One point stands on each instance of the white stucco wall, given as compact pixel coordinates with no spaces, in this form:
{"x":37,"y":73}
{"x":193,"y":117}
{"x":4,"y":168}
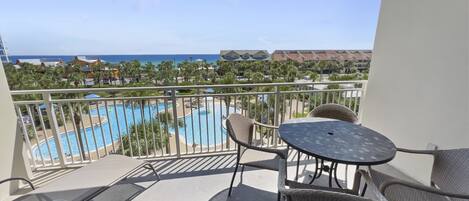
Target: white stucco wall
{"x":418,"y":90}
{"x":7,"y":134}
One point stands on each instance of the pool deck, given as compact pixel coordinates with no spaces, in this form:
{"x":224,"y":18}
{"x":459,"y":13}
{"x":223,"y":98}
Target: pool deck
{"x":182,"y":111}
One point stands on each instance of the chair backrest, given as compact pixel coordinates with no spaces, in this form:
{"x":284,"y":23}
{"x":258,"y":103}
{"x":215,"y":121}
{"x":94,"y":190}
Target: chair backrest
{"x":240,"y":128}
{"x":334,"y":111}
{"x":451,"y":170}
{"x":296,"y":192}
{"x":314,"y":195}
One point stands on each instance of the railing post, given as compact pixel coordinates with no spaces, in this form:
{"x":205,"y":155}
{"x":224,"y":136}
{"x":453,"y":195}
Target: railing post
{"x":276,"y":113}
{"x":25,"y":135}
{"x":54,"y":127}
{"x":362,"y":98}
{"x":175,"y":118}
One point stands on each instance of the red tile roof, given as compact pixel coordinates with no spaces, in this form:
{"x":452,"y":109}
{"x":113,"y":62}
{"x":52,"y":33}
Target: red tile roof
{"x":321,"y":55}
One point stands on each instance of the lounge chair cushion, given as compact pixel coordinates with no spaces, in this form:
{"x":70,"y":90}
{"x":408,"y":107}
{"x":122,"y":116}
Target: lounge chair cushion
{"x":86,"y":181}
{"x":260,"y":159}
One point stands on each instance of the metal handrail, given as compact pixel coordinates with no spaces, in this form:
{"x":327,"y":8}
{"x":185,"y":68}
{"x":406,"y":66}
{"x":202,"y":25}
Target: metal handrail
{"x":87,"y":90}
{"x":57,"y":118}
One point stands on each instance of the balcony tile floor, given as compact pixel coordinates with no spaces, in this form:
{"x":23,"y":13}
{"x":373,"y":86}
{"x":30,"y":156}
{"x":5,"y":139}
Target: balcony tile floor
{"x":208,"y":177}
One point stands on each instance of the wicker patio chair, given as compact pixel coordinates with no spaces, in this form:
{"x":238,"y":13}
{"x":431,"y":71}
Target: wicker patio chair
{"x":449,"y":178}
{"x":294,"y":191}
{"x":241,"y":130}
{"x":334,"y":111}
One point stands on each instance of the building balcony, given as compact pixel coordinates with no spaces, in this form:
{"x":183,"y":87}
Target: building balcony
{"x":141,"y":123}
{"x":417,"y":96}
{"x":181,"y":132}
{"x":207,"y":177}
{"x":192,"y":152}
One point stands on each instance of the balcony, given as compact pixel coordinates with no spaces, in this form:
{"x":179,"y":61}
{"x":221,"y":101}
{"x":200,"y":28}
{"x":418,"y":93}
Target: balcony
{"x":207,"y":177}
{"x":111,"y":121}
{"x":417,"y":95}
{"x":189,"y":151}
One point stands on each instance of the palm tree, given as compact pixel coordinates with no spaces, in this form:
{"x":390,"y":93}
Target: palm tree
{"x":257,"y":77}
{"x":333,"y":66}
{"x":203,"y":69}
{"x":167,"y":119}
{"x":74,"y":75}
{"x":187,"y":70}
{"x":114,"y":68}
{"x":166,"y":72}
{"x":123,"y":72}
{"x":213,"y":76}
{"x":276,"y":70}
{"x":322,"y":65}
{"x":313,"y":76}
{"x":132,"y":70}
{"x":14,"y":77}
{"x":98,"y":74}
{"x":248,"y":75}
{"x":292,"y":73}
{"x":137,"y":134}
{"x":348,"y":65}
{"x":107,"y":72}
{"x":51,"y":78}
{"x":225,"y":67}
{"x":135,"y":70}
{"x":228,"y":78}
{"x":77,"y":112}
{"x":161,"y":133}
{"x":150,"y":71}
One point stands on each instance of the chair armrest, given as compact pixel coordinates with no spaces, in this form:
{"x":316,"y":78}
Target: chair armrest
{"x":372,"y":188}
{"x":265,"y":125}
{"x":420,"y":187}
{"x":268,"y":126}
{"x":412,"y":151}
{"x":18,"y":178}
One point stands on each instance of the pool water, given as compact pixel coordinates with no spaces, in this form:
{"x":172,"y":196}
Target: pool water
{"x":203,"y":127}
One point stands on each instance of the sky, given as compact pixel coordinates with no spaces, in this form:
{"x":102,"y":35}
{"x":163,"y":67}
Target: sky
{"x":58,"y":27}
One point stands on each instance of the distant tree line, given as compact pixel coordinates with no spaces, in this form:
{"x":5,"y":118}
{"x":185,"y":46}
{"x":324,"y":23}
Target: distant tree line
{"x":134,"y":73}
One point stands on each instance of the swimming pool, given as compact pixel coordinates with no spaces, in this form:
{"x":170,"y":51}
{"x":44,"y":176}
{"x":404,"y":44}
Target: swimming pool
{"x":203,"y":126}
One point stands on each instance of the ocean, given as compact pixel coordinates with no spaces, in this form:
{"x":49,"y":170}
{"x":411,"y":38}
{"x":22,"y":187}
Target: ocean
{"x":155,"y":59}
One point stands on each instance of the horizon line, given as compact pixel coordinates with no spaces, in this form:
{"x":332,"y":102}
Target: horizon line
{"x":107,"y":54}
{"x":149,"y":54}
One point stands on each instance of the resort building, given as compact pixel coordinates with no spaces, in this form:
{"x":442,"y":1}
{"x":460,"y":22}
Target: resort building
{"x":3,"y":52}
{"x":86,"y":60}
{"x":41,"y":62}
{"x":89,"y":65}
{"x":244,"y":55}
{"x":360,"y":58}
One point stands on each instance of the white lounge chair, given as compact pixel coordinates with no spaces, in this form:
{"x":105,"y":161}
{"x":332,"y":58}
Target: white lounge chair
{"x":92,"y":180}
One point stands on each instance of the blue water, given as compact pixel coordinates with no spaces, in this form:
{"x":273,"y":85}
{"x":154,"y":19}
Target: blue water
{"x":203,"y":127}
{"x":157,"y":58}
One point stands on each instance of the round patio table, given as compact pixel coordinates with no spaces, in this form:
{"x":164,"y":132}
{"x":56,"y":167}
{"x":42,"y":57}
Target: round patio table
{"x":338,"y":142}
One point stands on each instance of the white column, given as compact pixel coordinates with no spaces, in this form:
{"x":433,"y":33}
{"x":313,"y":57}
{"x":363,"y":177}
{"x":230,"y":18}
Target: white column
{"x":418,"y":90}
{"x":12,"y":163}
